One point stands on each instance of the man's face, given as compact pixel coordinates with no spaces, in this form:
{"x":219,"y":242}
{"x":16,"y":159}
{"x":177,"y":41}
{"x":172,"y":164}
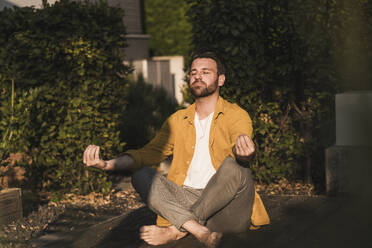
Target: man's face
{"x":203,"y":77}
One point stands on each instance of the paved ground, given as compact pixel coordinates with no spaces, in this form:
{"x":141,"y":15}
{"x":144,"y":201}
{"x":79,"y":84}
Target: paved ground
{"x":297,"y":221}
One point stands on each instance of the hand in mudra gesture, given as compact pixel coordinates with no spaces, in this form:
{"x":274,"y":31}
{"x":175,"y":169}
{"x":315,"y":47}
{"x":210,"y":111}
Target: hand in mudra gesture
{"x":91,"y":157}
{"x":244,"y":147}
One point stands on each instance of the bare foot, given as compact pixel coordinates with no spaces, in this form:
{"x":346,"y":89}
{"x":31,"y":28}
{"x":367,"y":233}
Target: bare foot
{"x":210,"y":239}
{"x":202,"y":233}
{"x":156,"y":235}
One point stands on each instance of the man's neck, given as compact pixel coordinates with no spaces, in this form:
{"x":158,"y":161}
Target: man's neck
{"x":206,"y":105}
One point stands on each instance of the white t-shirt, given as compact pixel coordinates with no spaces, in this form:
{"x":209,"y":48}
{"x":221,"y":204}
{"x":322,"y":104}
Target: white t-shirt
{"x":201,"y":168}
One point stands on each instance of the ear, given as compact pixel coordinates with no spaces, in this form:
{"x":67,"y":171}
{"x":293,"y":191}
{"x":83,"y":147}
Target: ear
{"x":221,"y":79}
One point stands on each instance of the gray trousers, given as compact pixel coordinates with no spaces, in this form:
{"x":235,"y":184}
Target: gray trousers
{"x":224,"y":205}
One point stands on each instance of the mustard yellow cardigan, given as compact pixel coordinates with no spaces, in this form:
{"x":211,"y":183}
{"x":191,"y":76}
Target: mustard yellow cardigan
{"x":177,"y":137}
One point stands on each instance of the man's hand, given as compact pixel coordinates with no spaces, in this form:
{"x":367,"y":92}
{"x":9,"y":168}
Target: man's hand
{"x":244,"y":147}
{"x":91,"y":158}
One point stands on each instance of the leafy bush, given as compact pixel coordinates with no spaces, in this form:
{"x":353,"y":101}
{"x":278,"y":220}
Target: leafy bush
{"x":63,"y":87}
{"x":282,"y":67}
{"x":168,"y":26}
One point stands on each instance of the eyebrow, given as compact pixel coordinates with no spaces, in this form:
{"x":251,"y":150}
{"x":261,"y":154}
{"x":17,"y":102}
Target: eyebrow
{"x":203,"y":69}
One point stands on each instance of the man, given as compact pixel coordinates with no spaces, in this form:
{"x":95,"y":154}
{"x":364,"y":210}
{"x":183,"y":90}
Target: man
{"x":206,"y":192}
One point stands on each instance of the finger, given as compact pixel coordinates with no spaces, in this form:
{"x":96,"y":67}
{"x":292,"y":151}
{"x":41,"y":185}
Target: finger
{"x":96,"y":154}
{"x":245,"y":141}
{"x":249,"y":146}
{"x":238,"y":149}
{"x":86,"y":154}
{"x":92,"y":152}
{"x":248,"y":142}
{"x":241,"y":143}
{"x":244,"y":148}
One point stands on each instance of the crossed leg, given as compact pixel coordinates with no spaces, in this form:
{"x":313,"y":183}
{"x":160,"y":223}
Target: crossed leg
{"x":156,"y":235}
{"x":173,"y":203}
{"x":225,"y":205}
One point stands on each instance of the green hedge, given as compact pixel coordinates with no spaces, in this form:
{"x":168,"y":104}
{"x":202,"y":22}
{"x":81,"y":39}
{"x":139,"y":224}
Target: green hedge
{"x":148,"y":107}
{"x":283,"y":66}
{"x":69,"y":90}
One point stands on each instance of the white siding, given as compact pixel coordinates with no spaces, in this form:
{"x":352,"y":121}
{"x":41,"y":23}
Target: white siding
{"x":132,"y":10}
{"x":23,"y":3}
{"x":132,"y":14}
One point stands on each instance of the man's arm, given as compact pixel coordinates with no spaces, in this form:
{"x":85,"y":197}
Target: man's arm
{"x":91,"y":158}
{"x":241,"y":130}
{"x":159,"y":148}
{"x":152,"y":153}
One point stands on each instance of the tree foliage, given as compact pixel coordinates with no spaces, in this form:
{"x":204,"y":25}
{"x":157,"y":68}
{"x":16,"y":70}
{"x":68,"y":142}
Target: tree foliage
{"x":283,"y":66}
{"x":168,"y":26}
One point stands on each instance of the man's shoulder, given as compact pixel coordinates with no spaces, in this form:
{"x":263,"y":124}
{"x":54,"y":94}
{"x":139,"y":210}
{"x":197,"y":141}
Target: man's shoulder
{"x":230,"y":107}
{"x":181,"y":113}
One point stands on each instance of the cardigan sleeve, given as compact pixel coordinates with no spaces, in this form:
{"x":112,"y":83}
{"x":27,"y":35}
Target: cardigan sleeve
{"x":240,"y":123}
{"x":158,"y":148}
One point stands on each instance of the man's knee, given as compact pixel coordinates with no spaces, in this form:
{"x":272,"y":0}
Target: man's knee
{"x":146,"y":182}
{"x":141,"y":175}
{"x":232,"y":170}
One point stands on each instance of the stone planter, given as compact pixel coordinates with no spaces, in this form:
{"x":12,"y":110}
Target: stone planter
{"x":348,"y":162}
{"x":10,"y":205}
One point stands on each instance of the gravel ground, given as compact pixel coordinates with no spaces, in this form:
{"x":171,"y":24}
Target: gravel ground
{"x":72,"y":213}
{"x":75,"y":212}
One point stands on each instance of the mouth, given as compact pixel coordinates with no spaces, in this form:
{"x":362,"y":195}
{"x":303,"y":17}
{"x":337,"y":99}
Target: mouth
{"x":198,"y":84}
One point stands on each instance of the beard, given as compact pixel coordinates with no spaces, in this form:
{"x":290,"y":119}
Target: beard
{"x":204,"y":90}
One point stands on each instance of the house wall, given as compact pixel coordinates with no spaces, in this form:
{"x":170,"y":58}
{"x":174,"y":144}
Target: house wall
{"x":132,"y":14}
{"x":163,"y":71}
{"x":23,"y":3}
{"x":176,"y":64}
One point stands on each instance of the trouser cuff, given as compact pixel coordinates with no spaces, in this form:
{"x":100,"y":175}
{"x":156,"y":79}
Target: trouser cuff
{"x":185,"y":219}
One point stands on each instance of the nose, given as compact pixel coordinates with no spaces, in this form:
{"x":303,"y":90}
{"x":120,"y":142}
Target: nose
{"x":197,"y":75}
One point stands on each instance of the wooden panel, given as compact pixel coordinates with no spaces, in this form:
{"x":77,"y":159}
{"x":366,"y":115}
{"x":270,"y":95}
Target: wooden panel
{"x":132,"y":14}
{"x":10,"y":205}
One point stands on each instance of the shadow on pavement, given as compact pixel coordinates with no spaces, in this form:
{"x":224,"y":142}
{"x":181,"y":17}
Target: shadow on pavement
{"x":124,"y":232}
{"x":297,"y":221}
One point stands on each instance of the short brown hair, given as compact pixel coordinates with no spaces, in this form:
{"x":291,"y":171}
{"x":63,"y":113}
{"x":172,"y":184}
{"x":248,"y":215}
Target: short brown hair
{"x":209,"y":55}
